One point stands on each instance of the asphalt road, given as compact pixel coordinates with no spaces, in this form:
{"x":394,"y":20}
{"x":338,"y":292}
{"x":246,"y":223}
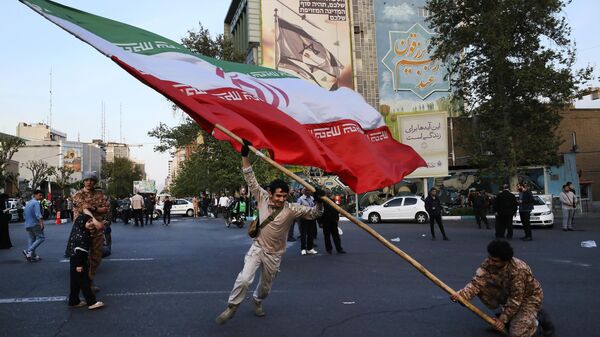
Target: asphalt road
{"x":174,"y":281}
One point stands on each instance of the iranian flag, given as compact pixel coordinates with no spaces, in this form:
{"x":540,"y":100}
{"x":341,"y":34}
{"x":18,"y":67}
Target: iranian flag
{"x":298,"y":122}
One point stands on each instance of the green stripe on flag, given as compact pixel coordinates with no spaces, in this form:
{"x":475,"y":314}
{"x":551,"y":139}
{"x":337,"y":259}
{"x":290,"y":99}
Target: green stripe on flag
{"x":140,"y":41}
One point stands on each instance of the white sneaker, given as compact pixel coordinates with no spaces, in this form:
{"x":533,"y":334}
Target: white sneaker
{"x":312,"y":251}
{"x":303,"y":252}
{"x":96,"y":305}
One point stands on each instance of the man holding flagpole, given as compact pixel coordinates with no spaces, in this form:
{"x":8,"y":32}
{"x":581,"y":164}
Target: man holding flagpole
{"x":269,"y":245}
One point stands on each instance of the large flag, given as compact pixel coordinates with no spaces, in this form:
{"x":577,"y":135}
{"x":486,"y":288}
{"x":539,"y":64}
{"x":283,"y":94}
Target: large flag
{"x":298,"y":122}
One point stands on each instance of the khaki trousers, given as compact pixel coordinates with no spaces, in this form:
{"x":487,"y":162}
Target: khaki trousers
{"x":524,"y":323}
{"x":95,"y":253}
{"x":255,"y":258}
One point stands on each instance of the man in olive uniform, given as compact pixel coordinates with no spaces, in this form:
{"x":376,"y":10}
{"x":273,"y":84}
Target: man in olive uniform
{"x":503,"y":281}
{"x":90,"y":198}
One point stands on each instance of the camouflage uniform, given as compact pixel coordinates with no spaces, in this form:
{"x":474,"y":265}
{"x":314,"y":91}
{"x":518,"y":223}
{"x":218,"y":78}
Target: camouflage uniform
{"x":514,"y":289}
{"x":82,"y":200}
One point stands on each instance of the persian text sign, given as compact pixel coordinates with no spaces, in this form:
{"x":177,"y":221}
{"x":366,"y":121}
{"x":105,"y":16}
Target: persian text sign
{"x":428,"y":135}
{"x":411,"y":65}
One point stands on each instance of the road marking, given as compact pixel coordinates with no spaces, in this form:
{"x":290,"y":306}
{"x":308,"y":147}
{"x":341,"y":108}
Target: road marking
{"x":156,"y":293}
{"x":121,"y":260}
{"x":579,"y":264}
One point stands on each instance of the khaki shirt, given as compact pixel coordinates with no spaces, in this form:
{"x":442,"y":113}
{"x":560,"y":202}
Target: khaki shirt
{"x":137,"y":202}
{"x":515,"y":278}
{"x":273,"y":237}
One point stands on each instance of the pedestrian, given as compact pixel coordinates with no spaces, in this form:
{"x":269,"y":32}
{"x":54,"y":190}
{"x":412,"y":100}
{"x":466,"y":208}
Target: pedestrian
{"x":572,"y":189}
{"x":195,"y":205}
{"x":137,"y":204}
{"x":526,"y":202}
{"x":506,"y":206}
{"x":34,"y":225}
{"x":307,"y":226}
{"x":504,"y":282}
{"x":78,"y":248}
{"x":167,"y":204}
{"x":204,"y":202}
{"x":224,"y":205}
{"x":70,"y":208}
{"x":481,"y":204}
{"x":149,"y":203}
{"x":5,"y":216}
{"x":267,"y":249}
{"x":20,"y":206}
{"x":567,"y":199}
{"x":329,"y":222}
{"x":93,"y":200}
{"x":433,"y":206}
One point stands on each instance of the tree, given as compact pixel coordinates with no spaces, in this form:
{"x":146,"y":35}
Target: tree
{"x":9,"y":145}
{"x":511,"y":62}
{"x":120,"y":174}
{"x":63,"y":177}
{"x":40,"y":171}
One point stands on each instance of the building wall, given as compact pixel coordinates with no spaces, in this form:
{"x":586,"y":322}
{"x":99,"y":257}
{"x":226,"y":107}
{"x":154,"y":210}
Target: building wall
{"x":39,"y":131}
{"x":364,"y":50}
{"x":586,"y":124}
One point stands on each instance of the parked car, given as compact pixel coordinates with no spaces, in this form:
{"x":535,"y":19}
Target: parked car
{"x":180,"y":207}
{"x":540,"y":216}
{"x":398,"y":208}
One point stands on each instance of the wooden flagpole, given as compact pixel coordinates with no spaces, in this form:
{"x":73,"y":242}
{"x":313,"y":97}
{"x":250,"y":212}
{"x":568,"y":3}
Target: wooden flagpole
{"x":365,"y":227}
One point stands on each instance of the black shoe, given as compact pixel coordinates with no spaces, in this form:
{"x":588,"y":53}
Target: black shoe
{"x":341,"y":251}
{"x":329,"y":252}
{"x":570,"y":229}
{"x":527,"y":238}
{"x":564,"y":229}
{"x":433,"y":238}
{"x":546,"y":325}
{"x":446,"y":238}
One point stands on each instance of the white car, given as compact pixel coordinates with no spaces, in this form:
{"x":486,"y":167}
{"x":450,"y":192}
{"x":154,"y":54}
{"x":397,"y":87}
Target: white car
{"x":540,"y":216}
{"x":398,"y":208}
{"x":180,"y":207}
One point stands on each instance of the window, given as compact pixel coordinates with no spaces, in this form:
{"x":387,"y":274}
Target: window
{"x":181,"y":202}
{"x":410,"y":201}
{"x":394,"y":202}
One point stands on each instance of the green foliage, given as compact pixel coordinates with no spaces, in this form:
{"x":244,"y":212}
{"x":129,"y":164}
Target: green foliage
{"x":215,"y":167}
{"x":512,"y":63}
{"x":9,"y":145}
{"x":120,"y":176}
{"x":219,"y":47}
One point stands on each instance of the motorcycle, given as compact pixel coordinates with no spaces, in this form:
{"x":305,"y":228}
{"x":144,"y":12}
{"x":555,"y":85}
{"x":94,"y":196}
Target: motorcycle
{"x":236,"y":219}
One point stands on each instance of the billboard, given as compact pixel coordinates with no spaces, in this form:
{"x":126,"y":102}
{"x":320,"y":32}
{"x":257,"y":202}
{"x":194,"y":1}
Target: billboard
{"x":309,"y":39}
{"x":410,"y":82}
{"x":427,"y":134}
{"x":71,"y":157}
{"x":144,"y":186}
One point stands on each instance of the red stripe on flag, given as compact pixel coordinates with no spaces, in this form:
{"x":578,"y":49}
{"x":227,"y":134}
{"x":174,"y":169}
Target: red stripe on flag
{"x":364,"y":159}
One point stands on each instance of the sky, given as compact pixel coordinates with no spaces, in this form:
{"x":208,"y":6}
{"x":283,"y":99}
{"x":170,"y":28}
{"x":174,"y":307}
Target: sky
{"x":83,"y":79}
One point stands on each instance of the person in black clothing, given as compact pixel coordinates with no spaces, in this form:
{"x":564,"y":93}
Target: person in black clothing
{"x":480,"y":208}
{"x":329,"y":222}
{"x":525,"y":207}
{"x":506,"y":207}
{"x":433,"y":206}
{"x":78,"y":249}
{"x":149,"y":203}
{"x":5,"y":216}
{"x":167,"y":211}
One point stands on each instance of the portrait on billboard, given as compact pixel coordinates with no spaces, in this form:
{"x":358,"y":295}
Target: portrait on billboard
{"x":308,"y":39}
{"x":72,"y":158}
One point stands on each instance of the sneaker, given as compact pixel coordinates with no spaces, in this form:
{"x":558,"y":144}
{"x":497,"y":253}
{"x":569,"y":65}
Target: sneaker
{"x":81,"y":304}
{"x":527,"y":238}
{"x":303,"y":252}
{"x":96,"y":305}
{"x":312,"y":251}
{"x":27,"y":255}
{"x":258,"y":310}
{"x":227,"y":314}
{"x":36,"y":258}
